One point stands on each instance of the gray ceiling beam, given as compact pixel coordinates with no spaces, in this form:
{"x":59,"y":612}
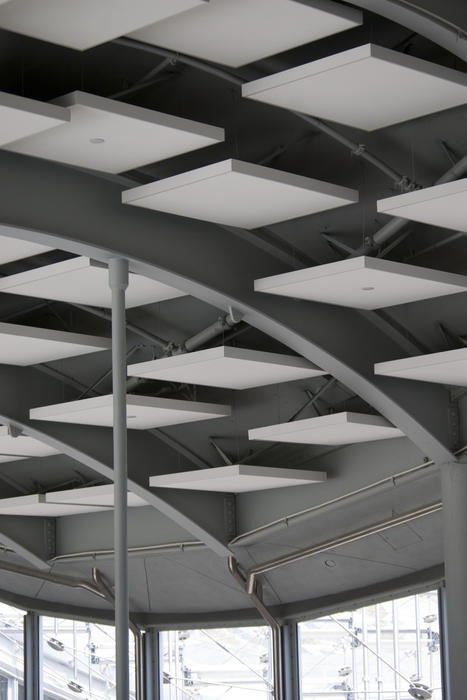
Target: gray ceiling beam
{"x":202,"y":515}
{"x":82,"y":213}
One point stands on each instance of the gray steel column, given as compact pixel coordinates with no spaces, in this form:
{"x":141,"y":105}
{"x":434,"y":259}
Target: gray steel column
{"x":118,"y":280}
{"x":454,"y":490}
{"x":32,"y":657}
{"x":290,"y":661}
{"x":151,"y":665}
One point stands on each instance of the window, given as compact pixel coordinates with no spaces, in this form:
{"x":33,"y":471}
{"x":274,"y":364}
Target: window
{"x":209,"y":664}
{"x":78,"y":659}
{"x":11,"y":652}
{"x":374,"y":653}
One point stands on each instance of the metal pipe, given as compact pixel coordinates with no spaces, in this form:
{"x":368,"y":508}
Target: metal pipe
{"x":314,"y":398}
{"x":149,"y":549}
{"x":223,"y":323}
{"x":353,"y":536}
{"x":271,"y":621}
{"x":118,"y":281}
{"x":58,"y":579}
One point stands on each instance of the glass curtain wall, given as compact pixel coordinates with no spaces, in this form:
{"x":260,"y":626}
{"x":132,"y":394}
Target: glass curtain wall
{"x":210,"y":664}
{"x":78,"y":660}
{"x":378,"y":652}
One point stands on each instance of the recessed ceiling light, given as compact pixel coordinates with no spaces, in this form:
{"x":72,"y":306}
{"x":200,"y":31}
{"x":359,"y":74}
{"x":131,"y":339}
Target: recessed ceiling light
{"x":97,"y":139}
{"x":330,"y":563}
{"x":367,"y":289}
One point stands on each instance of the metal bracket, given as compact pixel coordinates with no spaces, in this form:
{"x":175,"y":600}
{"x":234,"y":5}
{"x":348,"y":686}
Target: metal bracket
{"x":454,"y":424}
{"x":50,"y":533}
{"x":230,"y":517}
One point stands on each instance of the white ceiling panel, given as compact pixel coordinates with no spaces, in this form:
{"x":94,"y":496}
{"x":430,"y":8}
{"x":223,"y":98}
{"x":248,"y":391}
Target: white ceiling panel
{"x":24,"y":345}
{"x":335,"y":429}
{"x":237,"y":478}
{"x":22,"y":445}
{"x":71,"y":502}
{"x":81,"y":24}
{"x":228,"y":367}
{"x":15,"y":249}
{"x":442,"y":205}
{"x":368,"y":87}
{"x":143,"y":412}
{"x":21,"y":117}
{"x":449,"y":367}
{"x":363,"y":283}
{"x":84,"y":281}
{"x":236,"y":193}
{"x":113,"y":136}
{"x":239,"y":32}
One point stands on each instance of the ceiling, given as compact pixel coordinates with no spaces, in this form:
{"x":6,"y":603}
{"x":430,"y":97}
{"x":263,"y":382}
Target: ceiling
{"x":180,"y":541}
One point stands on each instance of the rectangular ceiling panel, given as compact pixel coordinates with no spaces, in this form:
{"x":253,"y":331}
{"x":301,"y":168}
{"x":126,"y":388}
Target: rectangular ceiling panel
{"x":335,"y":429}
{"x":449,"y":367}
{"x":113,"y":136}
{"x":82,"y":24}
{"x":237,"y":478}
{"x":442,"y":205}
{"x":363,"y":283}
{"x":57,"y":504}
{"x":228,"y":367}
{"x":24,"y":345}
{"x":236,"y":193}
{"x":84,"y":281}
{"x":143,"y":412}
{"x":21,"y":117}
{"x":15,"y":249}
{"x":368,"y":87}
{"x":23,"y":445}
{"x":242,"y":31}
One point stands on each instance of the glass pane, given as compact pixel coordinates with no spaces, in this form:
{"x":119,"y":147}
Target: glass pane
{"x":11,"y":652}
{"x":79,"y":660}
{"x":231,"y":663}
{"x":374,"y":653}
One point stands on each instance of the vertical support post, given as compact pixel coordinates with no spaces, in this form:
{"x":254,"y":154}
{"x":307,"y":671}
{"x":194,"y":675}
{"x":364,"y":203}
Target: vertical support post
{"x":290,"y":662}
{"x":118,"y":281}
{"x":454,"y":492}
{"x":151,"y":665}
{"x":32,"y":657}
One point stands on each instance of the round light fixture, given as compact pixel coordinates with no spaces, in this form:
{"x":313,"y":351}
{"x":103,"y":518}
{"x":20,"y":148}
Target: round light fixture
{"x":97,"y":139}
{"x":368,"y":289}
{"x":330,"y":563}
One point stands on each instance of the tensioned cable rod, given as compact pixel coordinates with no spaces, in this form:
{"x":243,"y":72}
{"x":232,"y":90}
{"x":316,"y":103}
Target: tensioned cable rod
{"x":403,"y":182}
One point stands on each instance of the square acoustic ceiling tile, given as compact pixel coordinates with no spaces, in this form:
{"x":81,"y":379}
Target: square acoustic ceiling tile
{"x":83,"y":281}
{"x":363,"y":283}
{"x":12,"y":249}
{"x":237,"y":478}
{"x":242,"y":31}
{"x":71,"y":502}
{"x":227,"y":367}
{"x":21,"y":117}
{"x":113,"y":136}
{"x":235,"y":193}
{"x":143,"y":412}
{"x":335,"y":429}
{"x":23,"y":446}
{"x":449,"y":367}
{"x":24,"y":345}
{"x":81,"y":24}
{"x":442,"y":205}
{"x":368,"y":87}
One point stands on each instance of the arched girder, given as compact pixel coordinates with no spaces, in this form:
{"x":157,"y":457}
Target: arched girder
{"x":83,"y":214}
{"x":200,"y":514}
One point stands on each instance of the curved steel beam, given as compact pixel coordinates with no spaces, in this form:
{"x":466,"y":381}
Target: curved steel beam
{"x":83,"y":214}
{"x":428,"y":23}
